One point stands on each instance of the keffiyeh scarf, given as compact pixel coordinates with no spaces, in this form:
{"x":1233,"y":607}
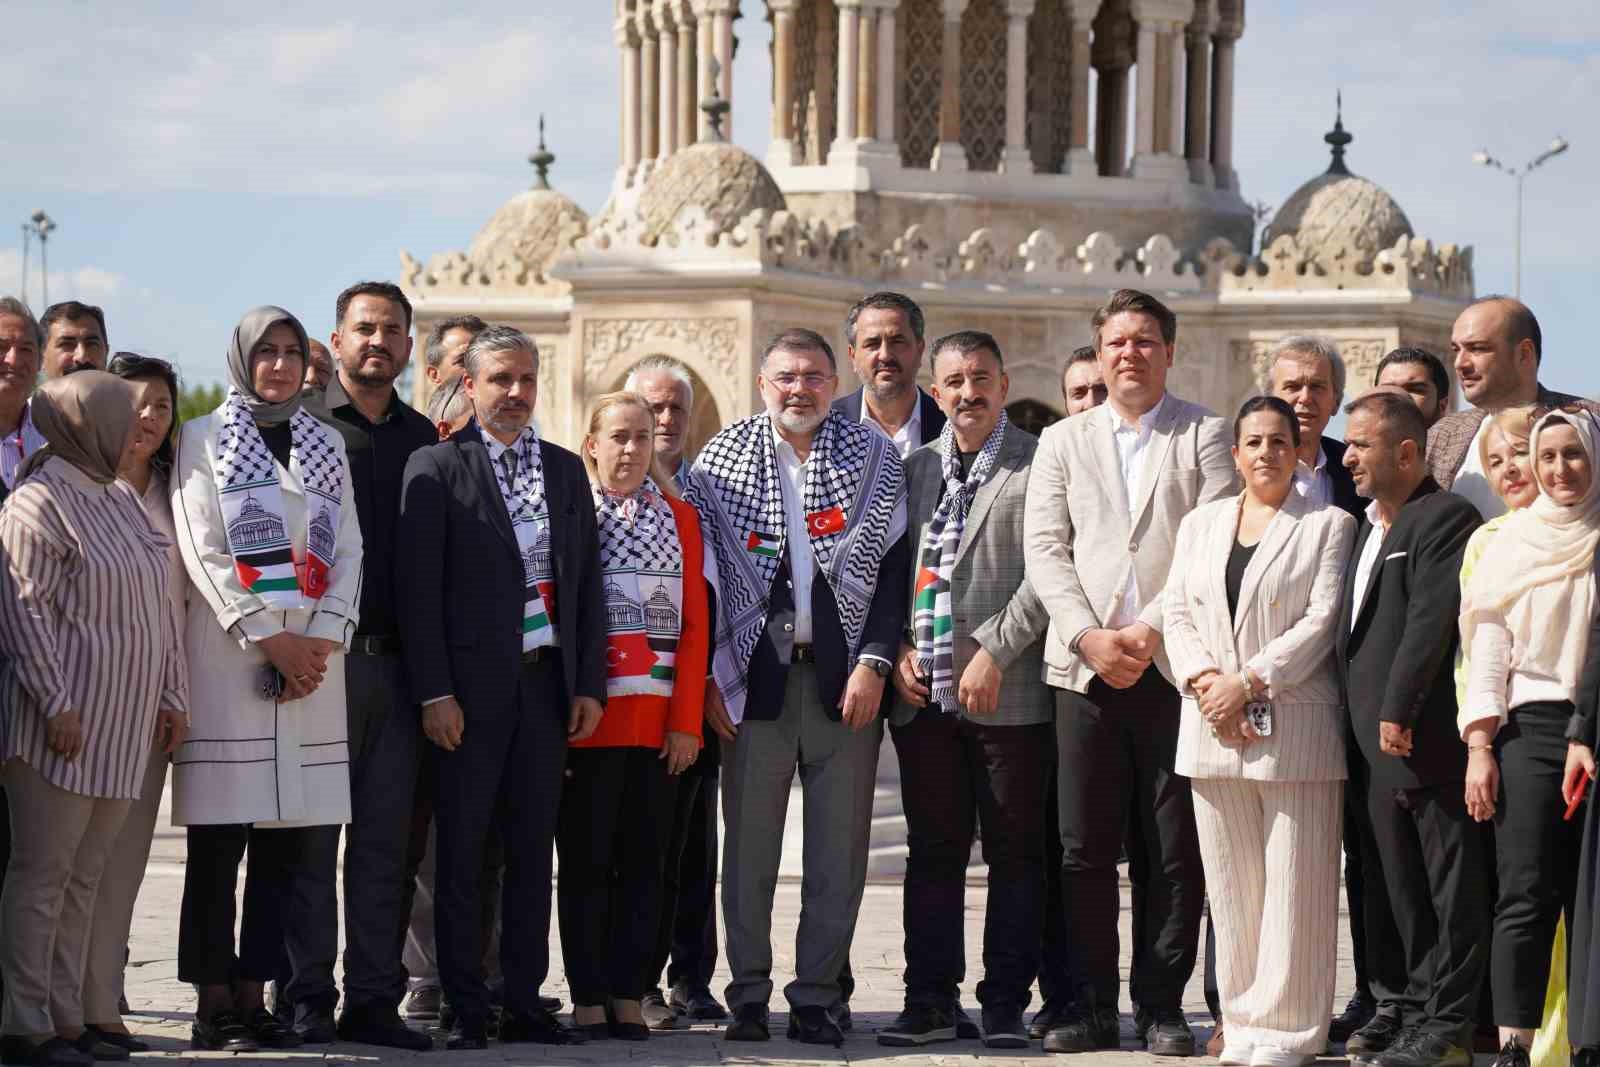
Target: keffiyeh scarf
{"x":933,"y":616}
{"x":252,"y":505}
{"x":855,"y":509}
{"x":641,"y":560}
{"x":520,"y":474}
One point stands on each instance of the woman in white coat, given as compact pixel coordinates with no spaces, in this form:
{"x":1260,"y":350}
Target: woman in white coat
{"x":1249,"y":630}
{"x":267,"y":525}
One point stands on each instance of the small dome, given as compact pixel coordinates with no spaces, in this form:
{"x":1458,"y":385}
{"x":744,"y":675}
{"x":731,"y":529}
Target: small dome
{"x":726,"y":181}
{"x":1337,"y":209}
{"x":533,"y":227}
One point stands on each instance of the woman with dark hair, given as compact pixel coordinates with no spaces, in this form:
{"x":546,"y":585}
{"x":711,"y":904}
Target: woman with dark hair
{"x":93,"y":672}
{"x":147,"y":468}
{"x":267,"y":525}
{"x":1250,"y":635}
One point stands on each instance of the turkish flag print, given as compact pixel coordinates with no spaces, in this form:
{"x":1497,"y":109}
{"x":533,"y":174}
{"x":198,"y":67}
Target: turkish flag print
{"x":628,"y":655}
{"x":822,"y":523}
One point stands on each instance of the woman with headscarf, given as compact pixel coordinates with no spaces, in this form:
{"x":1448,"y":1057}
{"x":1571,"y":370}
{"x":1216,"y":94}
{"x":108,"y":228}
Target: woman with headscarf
{"x":1526,"y":613}
{"x":91,"y":667}
{"x":267,"y":525}
{"x":616,"y":807}
{"x":146,"y":468}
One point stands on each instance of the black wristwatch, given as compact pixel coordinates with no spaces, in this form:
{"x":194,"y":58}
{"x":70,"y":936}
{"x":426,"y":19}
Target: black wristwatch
{"x":880,"y":668}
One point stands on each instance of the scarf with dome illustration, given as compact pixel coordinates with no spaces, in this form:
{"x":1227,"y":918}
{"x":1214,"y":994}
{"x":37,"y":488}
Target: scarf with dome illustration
{"x":641,"y":564}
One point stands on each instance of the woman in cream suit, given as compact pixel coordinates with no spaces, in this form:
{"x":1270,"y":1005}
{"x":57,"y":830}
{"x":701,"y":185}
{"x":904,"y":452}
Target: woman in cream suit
{"x":1249,"y":622}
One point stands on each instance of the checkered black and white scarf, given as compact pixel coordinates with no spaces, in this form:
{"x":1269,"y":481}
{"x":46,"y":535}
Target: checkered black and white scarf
{"x":641,"y":560}
{"x":932,"y":615}
{"x":252,"y":505}
{"x":855,"y":508}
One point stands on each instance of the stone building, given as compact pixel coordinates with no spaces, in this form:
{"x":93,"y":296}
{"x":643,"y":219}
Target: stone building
{"x":1004,"y":162}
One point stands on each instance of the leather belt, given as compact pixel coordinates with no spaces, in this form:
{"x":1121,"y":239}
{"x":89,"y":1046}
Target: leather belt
{"x":539,"y":655}
{"x":366,"y":645}
{"x":803,"y":654}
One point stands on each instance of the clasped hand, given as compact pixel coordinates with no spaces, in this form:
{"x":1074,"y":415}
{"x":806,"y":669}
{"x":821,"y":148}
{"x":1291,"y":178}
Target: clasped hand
{"x":1222,"y":699}
{"x":1120,"y":657}
{"x":303,"y":661}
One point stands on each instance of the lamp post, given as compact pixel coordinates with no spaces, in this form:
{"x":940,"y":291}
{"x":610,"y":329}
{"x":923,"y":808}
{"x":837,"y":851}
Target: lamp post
{"x":1483,"y":158}
{"x":41,"y":226}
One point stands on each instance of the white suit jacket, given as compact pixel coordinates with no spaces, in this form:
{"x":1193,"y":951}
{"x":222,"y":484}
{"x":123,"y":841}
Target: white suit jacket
{"x":1284,"y":630}
{"x":1080,"y":539}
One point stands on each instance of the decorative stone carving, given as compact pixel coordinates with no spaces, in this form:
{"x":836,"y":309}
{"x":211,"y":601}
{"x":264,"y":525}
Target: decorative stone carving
{"x":981,"y":258}
{"x":710,"y":345}
{"x":726,"y":182}
{"x":1159,"y":259}
{"x":1100,"y":254}
{"x":528,"y":232}
{"x":1339,"y":210}
{"x":1040,"y":253}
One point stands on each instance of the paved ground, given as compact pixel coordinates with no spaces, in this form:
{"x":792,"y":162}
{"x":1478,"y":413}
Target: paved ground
{"x":163,"y":1004}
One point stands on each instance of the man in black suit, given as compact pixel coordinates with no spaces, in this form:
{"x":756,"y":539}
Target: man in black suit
{"x":886,"y":337}
{"x":1427,"y":913}
{"x":806,"y":512}
{"x":500,"y":575}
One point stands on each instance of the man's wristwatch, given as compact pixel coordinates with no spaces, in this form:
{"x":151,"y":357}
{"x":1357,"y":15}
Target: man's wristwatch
{"x":878,"y":666}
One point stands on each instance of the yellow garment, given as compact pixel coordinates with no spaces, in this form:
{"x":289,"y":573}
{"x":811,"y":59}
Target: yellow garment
{"x":1469,"y":562}
{"x":1550,"y":1048}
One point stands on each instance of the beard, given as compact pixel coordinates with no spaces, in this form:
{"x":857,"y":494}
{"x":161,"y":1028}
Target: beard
{"x":384,"y":376}
{"x":887,"y":391}
{"x":503,"y":418}
{"x":799,"y":420}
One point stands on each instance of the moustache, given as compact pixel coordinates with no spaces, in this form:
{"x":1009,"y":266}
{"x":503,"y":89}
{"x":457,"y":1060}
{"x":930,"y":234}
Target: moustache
{"x":879,"y":366}
{"x":971,"y":405}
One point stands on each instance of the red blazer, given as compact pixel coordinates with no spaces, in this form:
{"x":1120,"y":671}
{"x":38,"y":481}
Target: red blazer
{"x":643,"y":721}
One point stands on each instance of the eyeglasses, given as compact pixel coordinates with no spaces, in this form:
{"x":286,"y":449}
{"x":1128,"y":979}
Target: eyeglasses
{"x":811,"y":382}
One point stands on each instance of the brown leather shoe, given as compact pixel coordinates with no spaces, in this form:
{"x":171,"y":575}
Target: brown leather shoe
{"x":1218,"y":1040}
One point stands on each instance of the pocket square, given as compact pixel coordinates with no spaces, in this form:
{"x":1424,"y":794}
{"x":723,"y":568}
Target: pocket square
{"x":1394,"y":555}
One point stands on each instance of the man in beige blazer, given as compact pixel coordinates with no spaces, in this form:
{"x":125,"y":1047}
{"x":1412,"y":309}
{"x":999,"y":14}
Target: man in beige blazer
{"x":1105,"y":497}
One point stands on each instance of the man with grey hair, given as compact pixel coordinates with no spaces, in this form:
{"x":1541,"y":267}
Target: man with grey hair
{"x":666,"y":387}
{"x":505,"y":638}
{"x":21,"y":342}
{"x":1308,"y":374}
{"x":812,"y":566}
{"x":449,"y":409}
{"x":886,"y":337}
{"x":446,"y":345}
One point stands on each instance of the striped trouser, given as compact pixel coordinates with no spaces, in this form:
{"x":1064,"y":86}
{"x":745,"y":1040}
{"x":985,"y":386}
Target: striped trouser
{"x":1271,"y":854}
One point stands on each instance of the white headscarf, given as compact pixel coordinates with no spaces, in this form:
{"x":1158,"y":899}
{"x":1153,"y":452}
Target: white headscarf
{"x":1538,"y":572}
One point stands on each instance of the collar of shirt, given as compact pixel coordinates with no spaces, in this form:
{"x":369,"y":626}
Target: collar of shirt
{"x":910,"y":433}
{"x":497,"y":448}
{"x":788,"y":458}
{"x":1145,"y":425}
{"x":1375,"y":517}
{"x":338,"y":402}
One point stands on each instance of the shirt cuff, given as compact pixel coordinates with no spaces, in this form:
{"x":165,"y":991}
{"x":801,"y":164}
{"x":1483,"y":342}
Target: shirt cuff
{"x":880,"y":659}
{"x":1072,"y":646}
{"x":436,"y":700}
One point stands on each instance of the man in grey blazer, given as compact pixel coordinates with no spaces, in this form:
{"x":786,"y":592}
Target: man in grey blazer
{"x":972,"y":722}
{"x":1105,"y":497}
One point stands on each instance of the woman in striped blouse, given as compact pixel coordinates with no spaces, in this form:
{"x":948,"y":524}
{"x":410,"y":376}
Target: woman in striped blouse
{"x":92,"y":666}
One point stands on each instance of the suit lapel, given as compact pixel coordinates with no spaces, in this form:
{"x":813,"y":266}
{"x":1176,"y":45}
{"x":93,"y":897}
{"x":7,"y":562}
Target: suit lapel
{"x":1155,"y":460}
{"x":1217,"y":549}
{"x":985,"y":497}
{"x":475,"y":454}
{"x":1273,"y":541}
{"x":1367,"y":597}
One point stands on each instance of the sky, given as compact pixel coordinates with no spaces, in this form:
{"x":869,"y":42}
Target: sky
{"x":200,"y":159}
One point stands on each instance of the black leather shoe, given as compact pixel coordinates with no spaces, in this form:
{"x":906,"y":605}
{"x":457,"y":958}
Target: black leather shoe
{"x":1002,"y":1027}
{"x":918,"y":1024}
{"x":122,"y":1041}
{"x":1357,"y":1013}
{"x":550,"y":1004}
{"x":813,"y":1025}
{"x":378,"y":1025}
{"x":1417,"y":1049}
{"x":1046,"y":1019}
{"x":97,"y":1050}
{"x":749,"y":1024}
{"x":52,"y":1052}
{"x":839,"y":1012}
{"x":1511,"y":1054}
{"x":697,"y":1003}
{"x":1166,"y":1033}
{"x":467,"y":1035}
{"x":270,"y":1031}
{"x":966,"y":1029}
{"x":1085,"y":1031}
{"x":223,"y":1032}
{"x":539,"y":1028}
{"x":1375,"y":1037}
{"x":628,"y":1031}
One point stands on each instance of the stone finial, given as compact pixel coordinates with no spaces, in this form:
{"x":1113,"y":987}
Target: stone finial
{"x":541,"y":160}
{"x":1337,"y":138}
{"x":714,"y":106}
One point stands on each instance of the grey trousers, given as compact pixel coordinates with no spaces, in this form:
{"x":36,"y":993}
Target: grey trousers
{"x":385,"y":761}
{"x":119,"y":891}
{"x":837,"y":767}
{"x":60,"y":843}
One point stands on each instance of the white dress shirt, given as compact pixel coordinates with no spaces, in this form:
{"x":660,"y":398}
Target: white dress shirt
{"x":1133,"y":442}
{"x":802,"y":563}
{"x":1313,"y":483}
{"x":1367,"y":560}
{"x":907,"y":438}
{"x":1473,"y":484}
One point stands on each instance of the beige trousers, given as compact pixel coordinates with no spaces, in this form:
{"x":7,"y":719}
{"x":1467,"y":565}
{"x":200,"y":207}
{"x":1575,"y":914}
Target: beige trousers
{"x":1271,"y":854}
{"x":119,"y":890}
{"x":60,"y":842}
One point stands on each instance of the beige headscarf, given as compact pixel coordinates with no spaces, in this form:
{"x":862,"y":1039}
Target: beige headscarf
{"x":1538,"y":571}
{"x":86,"y":419}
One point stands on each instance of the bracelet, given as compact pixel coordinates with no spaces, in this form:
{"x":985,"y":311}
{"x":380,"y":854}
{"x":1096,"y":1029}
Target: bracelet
{"x":1480,"y":748}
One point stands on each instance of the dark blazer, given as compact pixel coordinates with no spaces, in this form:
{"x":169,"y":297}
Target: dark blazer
{"x":932,"y":418}
{"x":460,"y":578}
{"x":1397,"y":664}
{"x":1586,"y":701}
{"x":769,"y":663}
{"x":1345,"y":496}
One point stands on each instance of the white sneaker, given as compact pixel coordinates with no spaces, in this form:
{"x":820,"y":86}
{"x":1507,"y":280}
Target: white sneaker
{"x":1267,"y":1056}
{"x":1235,"y":1055}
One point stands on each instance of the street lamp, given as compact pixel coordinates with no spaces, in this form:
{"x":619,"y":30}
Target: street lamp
{"x":1484,"y":159}
{"x":41,"y":226}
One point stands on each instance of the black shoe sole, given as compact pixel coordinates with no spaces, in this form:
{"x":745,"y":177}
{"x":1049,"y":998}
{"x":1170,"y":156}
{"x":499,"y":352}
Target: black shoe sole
{"x":735,"y":1034}
{"x":1084,"y":1045}
{"x":904,"y":1040}
{"x":1006,"y":1040}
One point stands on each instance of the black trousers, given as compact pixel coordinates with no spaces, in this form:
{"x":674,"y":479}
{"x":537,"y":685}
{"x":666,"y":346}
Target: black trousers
{"x":288,"y":876}
{"x":615,"y":809}
{"x":1355,"y":846}
{"x":687,"y":933}
{"x":1432,"y":859}
{"x":506,"y":772}
{"x":385,"y":755}
{"x":956,"y":776}
{"x":1116,"y":750}
{"x":1536,"y":859}
{"x":1055,"y":959}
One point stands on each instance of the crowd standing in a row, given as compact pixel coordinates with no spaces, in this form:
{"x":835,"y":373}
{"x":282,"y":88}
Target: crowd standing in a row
{"x":1218,"y":650}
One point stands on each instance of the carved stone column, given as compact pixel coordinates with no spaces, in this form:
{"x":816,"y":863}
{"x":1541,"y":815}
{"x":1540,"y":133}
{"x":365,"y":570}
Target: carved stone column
{"x":649,"y":86}
{"x":1081,"y":12}
{"x":885,"y":91}
{"x":1222,"y":107}
{"x":705,"y":52}
{"x":668,"y":94}
{"x":866,"y":61}
{"x":1015,"y":158}
{"x":1163,"y":89}
{"x":1197,"y":140}
{"x":1175,"y":89}
{"x":848,"y":70}
{"x":783,"y":151}
{"x":688,"y":77}
{"x":627,"y":37}
{"x":949,"y":153}
{"x":1112,"y":55}
{"x":722,"y":12}
{"x":1160,"y":102}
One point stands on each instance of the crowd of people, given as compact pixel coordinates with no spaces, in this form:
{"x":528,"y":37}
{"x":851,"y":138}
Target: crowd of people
{"x":1224,"y":652}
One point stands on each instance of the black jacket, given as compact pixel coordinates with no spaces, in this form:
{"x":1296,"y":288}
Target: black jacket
{"x":1397,"y":664}
{"x":849,"y":405}
{"x":461,"y":579}
{"x":1345,"y":496}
